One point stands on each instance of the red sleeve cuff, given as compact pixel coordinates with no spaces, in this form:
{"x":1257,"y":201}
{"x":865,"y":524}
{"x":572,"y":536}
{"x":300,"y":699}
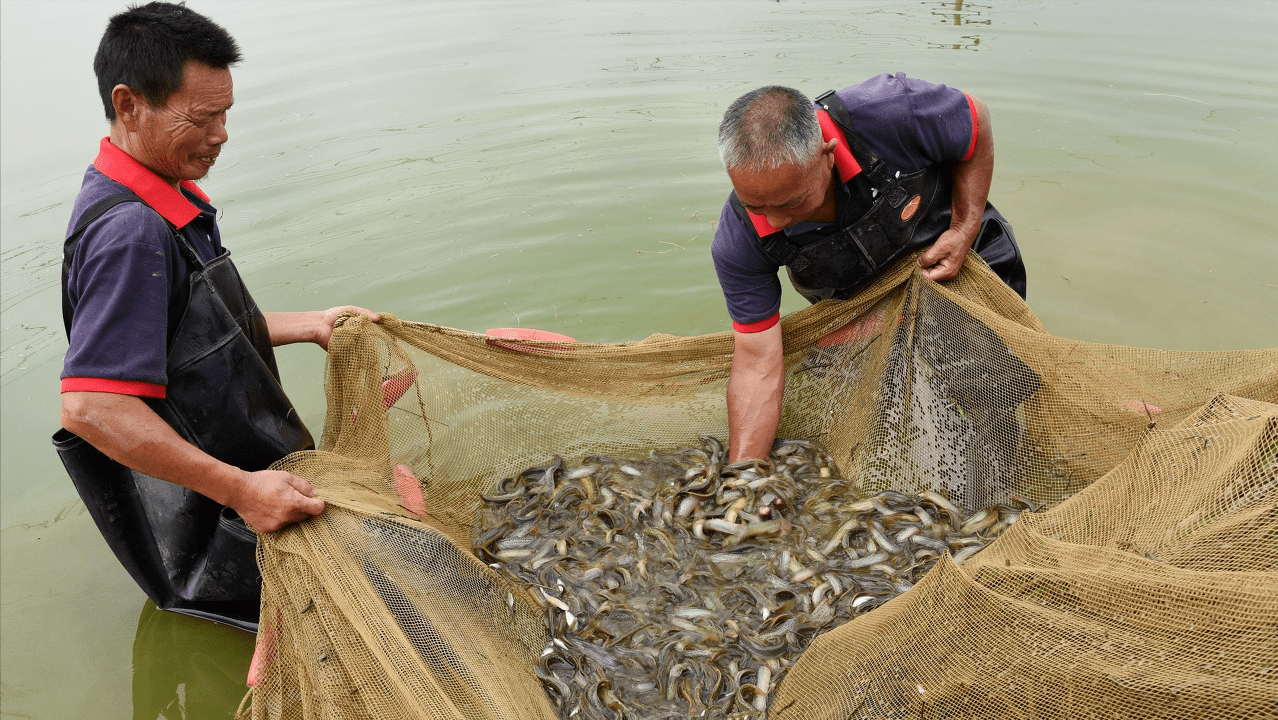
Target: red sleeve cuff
{"x":118,"y":387}
{"x":971,"y":146}
{"x":760,"y":326}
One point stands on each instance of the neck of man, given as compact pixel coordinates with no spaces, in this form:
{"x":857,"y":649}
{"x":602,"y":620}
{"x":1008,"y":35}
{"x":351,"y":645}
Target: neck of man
{"x":829,"y":210}
{"x":127,"y":141}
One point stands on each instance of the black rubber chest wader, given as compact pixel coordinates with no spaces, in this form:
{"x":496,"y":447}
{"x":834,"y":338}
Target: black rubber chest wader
{"x":188,"y":553}
{"x":907,"y":212}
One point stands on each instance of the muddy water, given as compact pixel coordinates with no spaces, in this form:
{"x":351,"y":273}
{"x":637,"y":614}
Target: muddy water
{"x":552,"y":165}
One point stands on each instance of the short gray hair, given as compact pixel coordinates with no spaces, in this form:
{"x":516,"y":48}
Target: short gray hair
{"x":767,"y":128}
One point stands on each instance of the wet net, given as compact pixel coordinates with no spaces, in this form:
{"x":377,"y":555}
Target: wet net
{"x":1145,"y":587}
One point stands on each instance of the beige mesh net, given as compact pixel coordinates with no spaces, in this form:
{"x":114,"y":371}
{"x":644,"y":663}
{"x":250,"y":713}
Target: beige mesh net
{"x":1149,"y":589}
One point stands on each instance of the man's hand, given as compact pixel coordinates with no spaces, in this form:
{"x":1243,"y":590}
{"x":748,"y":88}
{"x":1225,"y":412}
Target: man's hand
{"x":944,"y":258}
{"x":316,"y":326}
{"x":272,"y":499}
{"x":329,"y":317}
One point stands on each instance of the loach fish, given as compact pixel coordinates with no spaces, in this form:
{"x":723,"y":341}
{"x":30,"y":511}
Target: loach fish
{"x":678,"y":585}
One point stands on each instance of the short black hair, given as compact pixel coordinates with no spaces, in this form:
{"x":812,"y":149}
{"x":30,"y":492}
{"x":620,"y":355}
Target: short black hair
{"x":147,"y":47}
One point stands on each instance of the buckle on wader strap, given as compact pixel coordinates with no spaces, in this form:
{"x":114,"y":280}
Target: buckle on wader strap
{"x":881,"y":179}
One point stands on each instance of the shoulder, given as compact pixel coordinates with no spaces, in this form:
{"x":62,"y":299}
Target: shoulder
{"x":128,"y":240}
{"x":735,"y":251}
{"x":912,"y":122}
{"x":876,"y":89}
{"x":129,"y":224}
{"x":887,"y":87}
{"x":126,"y":220}
{"x":746,"y":276}
{"x":899,"y":97}
{"x":731,"y":236}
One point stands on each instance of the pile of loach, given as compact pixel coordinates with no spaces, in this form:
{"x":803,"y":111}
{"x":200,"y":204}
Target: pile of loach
{"x":678,"y":586}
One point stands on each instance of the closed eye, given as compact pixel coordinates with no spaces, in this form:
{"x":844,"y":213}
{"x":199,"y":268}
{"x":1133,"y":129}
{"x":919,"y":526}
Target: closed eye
{"x":785,"y":205}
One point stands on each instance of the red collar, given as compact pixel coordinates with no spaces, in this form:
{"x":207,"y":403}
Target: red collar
{"x":843,"y":160}
{"x":847,"y":166}
{"x":159,"y":195}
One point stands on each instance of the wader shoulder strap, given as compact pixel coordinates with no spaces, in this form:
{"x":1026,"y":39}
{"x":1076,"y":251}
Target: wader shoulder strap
{"x":95,"y":211}
{"x":876,"y":171}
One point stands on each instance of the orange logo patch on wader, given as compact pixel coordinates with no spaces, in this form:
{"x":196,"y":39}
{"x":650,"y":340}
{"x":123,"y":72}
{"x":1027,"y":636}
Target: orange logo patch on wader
{"x":911,"y":207}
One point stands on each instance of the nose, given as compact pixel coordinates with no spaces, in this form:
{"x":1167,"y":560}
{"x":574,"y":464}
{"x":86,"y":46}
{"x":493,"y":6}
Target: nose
{"x":217,"y":130}
{"x":777,"y":219}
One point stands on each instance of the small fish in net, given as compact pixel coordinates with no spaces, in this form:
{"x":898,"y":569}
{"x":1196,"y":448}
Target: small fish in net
{"x":680,"y":586}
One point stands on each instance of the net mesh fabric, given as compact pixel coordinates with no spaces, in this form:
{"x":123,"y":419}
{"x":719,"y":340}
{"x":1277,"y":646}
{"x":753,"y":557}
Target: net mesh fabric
{"x":1148,"y":589}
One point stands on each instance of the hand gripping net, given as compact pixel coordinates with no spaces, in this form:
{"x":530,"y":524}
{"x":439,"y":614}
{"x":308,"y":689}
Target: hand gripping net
{"x":1148,"y":590}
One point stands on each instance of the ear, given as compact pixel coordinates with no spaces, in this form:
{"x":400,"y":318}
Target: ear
{"x":827,"y":150}
{"x":127,"y":106}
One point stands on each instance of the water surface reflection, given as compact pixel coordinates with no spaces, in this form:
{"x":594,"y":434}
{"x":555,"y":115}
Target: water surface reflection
{"x":186,"y":668}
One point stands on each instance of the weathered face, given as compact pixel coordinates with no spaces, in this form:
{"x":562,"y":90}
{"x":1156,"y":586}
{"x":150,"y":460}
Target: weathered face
{"x":180,"y":139}
{"x":790,"y":194}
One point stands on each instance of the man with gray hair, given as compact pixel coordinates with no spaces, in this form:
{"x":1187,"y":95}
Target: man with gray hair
{"x":836,"y":191}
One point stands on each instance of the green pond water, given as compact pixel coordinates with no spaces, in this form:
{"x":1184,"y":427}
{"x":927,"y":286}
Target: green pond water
{"x":552,"y":165}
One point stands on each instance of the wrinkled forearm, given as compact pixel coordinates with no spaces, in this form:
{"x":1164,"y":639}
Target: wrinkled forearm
{"x":287,"y":328}
{"x":125,"y":429}
{"x":315,"y":326}
{"x":756,"y":389}
{"x":972,"y":178}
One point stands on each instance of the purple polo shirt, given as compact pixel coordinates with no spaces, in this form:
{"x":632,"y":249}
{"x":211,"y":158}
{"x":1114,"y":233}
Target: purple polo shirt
{"x":125,"y":270}
{"x":910,"y":124}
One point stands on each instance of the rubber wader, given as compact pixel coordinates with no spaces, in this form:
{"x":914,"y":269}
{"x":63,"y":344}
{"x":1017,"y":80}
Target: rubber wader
{"x":188,"y":553}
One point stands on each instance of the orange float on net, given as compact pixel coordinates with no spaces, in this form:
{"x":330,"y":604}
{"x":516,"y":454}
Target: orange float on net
{"x":394,"y":387}
{"x":510,"y":339}
{"x":409,"y":490}
{"x":264,"y":650}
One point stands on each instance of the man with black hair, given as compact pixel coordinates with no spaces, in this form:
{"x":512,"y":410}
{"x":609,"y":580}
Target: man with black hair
{"x":172,"y":407}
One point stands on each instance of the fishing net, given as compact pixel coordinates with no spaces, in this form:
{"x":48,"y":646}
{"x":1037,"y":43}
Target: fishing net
{"x":1148,"y":588}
